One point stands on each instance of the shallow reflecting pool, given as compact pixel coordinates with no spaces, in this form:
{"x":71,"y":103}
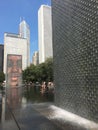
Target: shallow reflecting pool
{"x":34,"y":94}
{"x":32,"y":107}
{"x":15,"y":100}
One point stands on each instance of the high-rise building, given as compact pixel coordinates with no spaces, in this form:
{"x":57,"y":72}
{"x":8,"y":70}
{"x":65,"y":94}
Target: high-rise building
{"x":1,"y":56}
{"x":75,"y":53}
{"x":15,"y":45}
{"x":24,"y":32}
{"x":35,"y":58}
{"x":45,"y":33}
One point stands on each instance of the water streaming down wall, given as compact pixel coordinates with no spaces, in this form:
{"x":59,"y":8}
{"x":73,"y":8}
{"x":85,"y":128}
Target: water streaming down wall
{"x":75,"y":47}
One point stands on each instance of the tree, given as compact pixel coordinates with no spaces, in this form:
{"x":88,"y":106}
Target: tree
{"x":41,"y":72}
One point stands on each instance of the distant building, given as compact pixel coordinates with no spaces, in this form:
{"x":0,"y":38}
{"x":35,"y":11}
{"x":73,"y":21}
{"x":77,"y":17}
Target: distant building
{"x":35,"y":58}
{"x":14,"y":44}
{"x":1,"y":56}
{"x":45,"y":33}
{"x":24,"y":32}
{"x":75,"y":54}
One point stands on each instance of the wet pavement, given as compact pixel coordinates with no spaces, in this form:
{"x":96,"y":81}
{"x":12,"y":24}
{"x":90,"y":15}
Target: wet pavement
{"x":30,"y":119}
{"x":8,"y":122}
{"x":29,"y":109}
{"x":66,"y":120}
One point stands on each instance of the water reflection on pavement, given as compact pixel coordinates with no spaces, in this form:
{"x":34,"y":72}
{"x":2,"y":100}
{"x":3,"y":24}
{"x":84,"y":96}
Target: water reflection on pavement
{"x":29,"y":109}
{"x":16,"y":110}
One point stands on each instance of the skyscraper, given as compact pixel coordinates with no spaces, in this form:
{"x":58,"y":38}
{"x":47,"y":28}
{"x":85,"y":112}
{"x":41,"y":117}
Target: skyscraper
{"x":24,"y":32}
{"x":1,"y":56}
{"x":35,"y":59}
{"x":45,"y":33}
{"x":75,"y":48}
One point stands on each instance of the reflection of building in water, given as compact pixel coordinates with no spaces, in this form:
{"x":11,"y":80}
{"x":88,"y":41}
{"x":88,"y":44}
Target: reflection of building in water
{"x":0,"y":110}
{"x":14,"y":97}
{"x":3,"y":105}
{"x":6,"y":116}
{"x":23,"y":102}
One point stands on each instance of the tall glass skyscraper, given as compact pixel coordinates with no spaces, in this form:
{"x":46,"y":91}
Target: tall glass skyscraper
{"x":35,"y":58}
{"x":45,"y":33}
{"x":24,"y":32}
{"x":75,"y":48}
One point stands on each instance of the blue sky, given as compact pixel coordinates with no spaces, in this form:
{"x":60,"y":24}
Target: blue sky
{"x":10,"y":13}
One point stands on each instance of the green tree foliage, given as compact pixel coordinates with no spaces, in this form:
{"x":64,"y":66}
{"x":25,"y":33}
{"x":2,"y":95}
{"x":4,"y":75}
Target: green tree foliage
{"x":2,"y":77}
{"x":41,"y":72}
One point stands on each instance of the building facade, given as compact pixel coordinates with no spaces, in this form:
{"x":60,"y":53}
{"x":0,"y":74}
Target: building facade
{"x":45,"y":33}
{"x":15,"y":45}
{"x":24,"y":32}
{"x":35,"y":58}
{"x":1,"y":56}
{"x":75,"y":53}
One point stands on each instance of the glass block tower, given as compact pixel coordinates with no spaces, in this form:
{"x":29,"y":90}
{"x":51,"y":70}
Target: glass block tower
{"x":75,"y":52}
{"x":24,"y":32}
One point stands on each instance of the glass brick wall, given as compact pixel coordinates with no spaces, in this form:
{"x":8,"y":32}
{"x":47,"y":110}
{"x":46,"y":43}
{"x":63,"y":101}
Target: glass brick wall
{"x":75,"y":48}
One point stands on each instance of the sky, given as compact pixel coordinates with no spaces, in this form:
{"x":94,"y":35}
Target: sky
{"x":10,"y":13}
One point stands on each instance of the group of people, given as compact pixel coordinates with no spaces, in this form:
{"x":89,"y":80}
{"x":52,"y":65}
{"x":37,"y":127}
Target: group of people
{"x":47,"y":87}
